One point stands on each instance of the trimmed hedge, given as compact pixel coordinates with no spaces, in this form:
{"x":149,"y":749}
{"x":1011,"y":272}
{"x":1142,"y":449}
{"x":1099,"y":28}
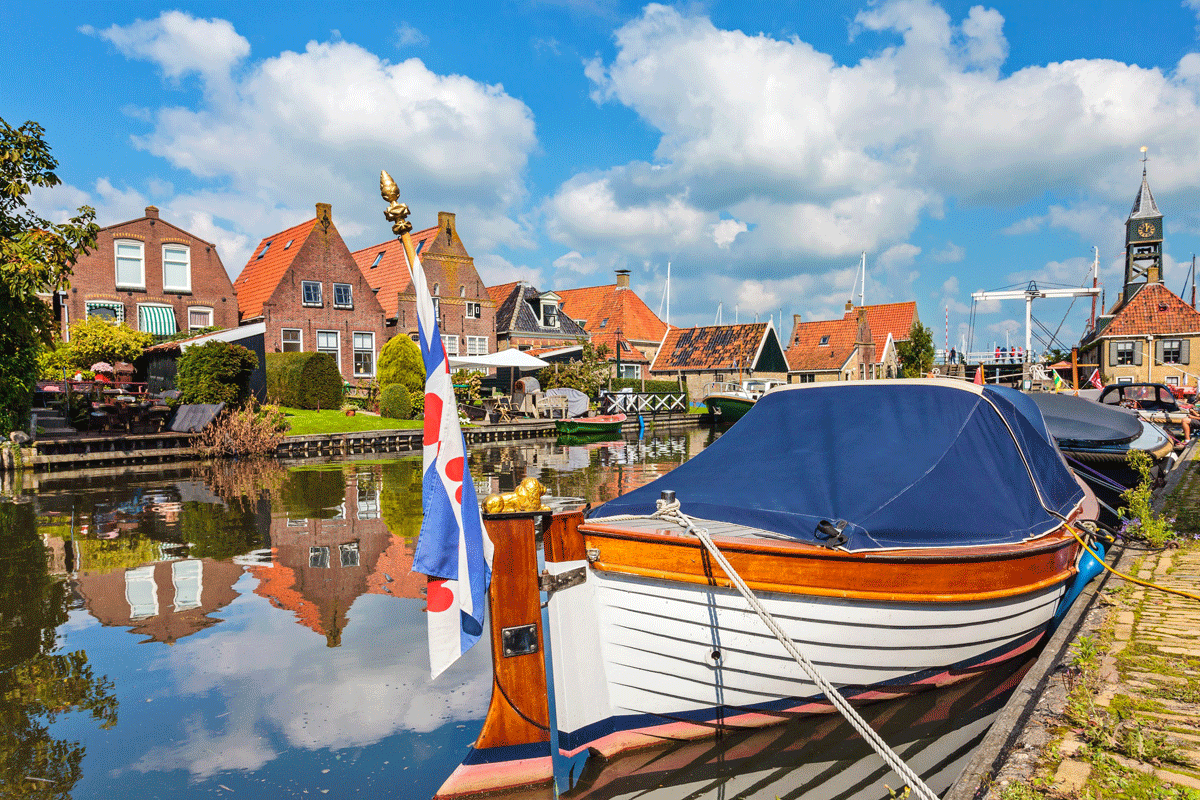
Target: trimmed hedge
{"x":215,"y":372}
{"x":304,"y":380}
{"x":635,"y":384}
{"x":395,"y":402}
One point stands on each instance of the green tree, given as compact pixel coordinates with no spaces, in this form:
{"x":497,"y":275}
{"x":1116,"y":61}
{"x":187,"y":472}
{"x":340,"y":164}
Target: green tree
{"x":215,"y":372}
{"x":587,"y":374}
{"x":916,"y":355}
{"x":400,"y":362}
{"x":96,"y":339}
{"x":36,"y":256}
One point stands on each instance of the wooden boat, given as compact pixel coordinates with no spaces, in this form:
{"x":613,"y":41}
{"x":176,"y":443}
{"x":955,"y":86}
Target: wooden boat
{"x":928,"y":540}
{"x":609,"y":423}
{"x":729,"y":402}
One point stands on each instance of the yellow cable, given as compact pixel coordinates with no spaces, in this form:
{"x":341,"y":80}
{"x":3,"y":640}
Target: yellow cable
{"x":1129,"y":578}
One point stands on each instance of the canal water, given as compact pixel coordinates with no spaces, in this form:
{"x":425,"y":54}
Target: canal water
{"x":253,"y":630}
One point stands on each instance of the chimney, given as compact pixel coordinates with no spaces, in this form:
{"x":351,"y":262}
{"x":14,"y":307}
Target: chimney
{"x":795,"y":320}
{"x":622,"y":279}
{"x":446,"y":226}
{"x":152,"y":212}
{"x":324,"y":211}
{"x":849,"y":305}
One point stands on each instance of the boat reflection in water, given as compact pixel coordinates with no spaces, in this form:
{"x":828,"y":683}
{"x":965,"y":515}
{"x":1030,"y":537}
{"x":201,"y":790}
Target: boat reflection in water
{"x":819,"y":757}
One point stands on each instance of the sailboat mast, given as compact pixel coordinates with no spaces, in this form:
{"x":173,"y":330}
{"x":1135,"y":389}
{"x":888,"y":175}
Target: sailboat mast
{"x":862,"y":287}
{"x":1095,"y":282}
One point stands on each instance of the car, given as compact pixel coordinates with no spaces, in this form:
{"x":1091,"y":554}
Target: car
{"x":1141,"y":396}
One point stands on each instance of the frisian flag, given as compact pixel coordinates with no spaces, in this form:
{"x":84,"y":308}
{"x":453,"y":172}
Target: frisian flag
{"x":452,"y":550}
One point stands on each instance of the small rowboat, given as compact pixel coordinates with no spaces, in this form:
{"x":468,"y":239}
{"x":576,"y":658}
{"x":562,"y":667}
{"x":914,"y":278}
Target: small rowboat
{"x":930,"y":536}
{"x":609,"y":423}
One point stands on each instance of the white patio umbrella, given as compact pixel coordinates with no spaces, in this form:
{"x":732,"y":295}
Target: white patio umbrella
{"x":503,"y":358}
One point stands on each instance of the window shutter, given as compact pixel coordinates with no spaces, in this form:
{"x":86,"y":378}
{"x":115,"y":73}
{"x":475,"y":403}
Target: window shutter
{"x":1137,"y":354}
{"x":1158,"y":351}
{"x":1184,"y":348}
{"x":1112,"y":352}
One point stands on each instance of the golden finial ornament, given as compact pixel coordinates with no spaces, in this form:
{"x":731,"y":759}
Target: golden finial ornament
{"x":396,"y":213}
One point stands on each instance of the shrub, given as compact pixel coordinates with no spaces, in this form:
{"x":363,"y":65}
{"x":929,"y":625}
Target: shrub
{"x":247,"y":431}
{"x":400,"y":362}
{"x":95,"y":339}
{"x":304,"y":380}
{"x":417,"y":400}
{"x":215,"y":372}
{"x":395,"y":402}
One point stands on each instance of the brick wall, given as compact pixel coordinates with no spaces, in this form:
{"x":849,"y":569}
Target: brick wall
{"x":95,"y":275}
{"x":324,"y":258}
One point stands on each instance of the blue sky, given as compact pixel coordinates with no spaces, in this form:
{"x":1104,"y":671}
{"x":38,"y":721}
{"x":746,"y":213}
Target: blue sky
{"x":759,"y":148}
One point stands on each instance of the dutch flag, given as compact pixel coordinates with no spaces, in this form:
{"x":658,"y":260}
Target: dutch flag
{"x":453,"y":549}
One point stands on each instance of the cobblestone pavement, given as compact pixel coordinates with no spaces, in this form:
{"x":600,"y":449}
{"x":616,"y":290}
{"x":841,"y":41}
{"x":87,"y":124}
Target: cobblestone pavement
{"x":1120,"y":716}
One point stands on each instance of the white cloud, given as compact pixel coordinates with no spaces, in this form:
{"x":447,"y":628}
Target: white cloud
{"x":179,"y":43}
{"x":950,"y":254}
{"x":950,"y":286}
{"x":282,"y":133}
{"x":495,"y":270}
{"x":407,"y":35}
{"x":822,"y":160}
{"x":726,"y":231}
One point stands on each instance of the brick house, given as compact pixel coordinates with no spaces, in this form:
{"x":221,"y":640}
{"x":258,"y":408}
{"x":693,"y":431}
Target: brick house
{"x":839,"y":349}
{"x":305,"y":286}
{"x":896,"y":319}
{"x":615,"y":316}
{"x":466,"y":313}
{"x":1148,"y":334}
{"x":720,"y":353}
{"x":151,"y":275}
{"x":531,"y":320}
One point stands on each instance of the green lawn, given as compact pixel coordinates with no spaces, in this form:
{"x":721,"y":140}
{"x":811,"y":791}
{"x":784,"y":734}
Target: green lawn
{"x":307,"y":423}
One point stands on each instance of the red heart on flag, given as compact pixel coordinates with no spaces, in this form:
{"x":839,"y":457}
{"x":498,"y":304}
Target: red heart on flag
{"x":439,"y":596}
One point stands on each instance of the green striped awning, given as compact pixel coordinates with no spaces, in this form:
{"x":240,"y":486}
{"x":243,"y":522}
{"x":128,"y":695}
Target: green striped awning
{"x":159,"y":320}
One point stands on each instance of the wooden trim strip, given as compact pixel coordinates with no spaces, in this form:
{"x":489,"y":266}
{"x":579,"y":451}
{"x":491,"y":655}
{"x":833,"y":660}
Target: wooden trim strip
{"x":950,"y":576}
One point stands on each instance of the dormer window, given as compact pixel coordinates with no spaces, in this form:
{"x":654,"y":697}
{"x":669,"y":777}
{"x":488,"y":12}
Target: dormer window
{"x":550,"y":314}
{"x":824,"y":340}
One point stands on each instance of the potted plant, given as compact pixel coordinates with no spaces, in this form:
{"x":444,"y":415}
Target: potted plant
{"x":349,"y":409}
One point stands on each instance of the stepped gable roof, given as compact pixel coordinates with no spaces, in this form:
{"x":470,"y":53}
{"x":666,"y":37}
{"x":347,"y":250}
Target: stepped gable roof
{"x":385,"y":266}
{"x":806,"y":353}
{"x":884,"y":318}
{"x":267,"y":266}
{"x":712,"y":347}
{"x":1155,"y":310}
{"x":603,"y":310}
{"x":514,"y":312}
{"x":1144,"y":205}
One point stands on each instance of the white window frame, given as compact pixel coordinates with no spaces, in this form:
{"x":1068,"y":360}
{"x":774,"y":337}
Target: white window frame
{"x":1177,"y":346}
{"x":636,"y":368}
{"x":350,"y":289}
{"x":338,"y":337}
{"x":141,"y":246}
{"x":1172,"y":380}
{"x":356,"y":350}
{"x":1125,"y":350}
{"x":477,"y":346}
{"x":115,"y":305}
{"x":550,"y":314}
{"x":1125,"y":379}
{"x":449,"y":339}
{"x":208,"y":309}
{"x":304,"y":301}
{"x":187,"y":267}
{"x":299,"y":340}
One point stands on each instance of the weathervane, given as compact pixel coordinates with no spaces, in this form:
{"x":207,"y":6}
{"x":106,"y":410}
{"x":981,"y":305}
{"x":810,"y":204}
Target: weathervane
{"x":1144,"y":159}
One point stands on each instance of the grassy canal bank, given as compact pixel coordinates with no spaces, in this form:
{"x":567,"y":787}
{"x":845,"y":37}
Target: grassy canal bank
{"x":1120,"y":716}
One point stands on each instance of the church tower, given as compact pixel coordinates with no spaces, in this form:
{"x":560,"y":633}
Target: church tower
{"x":1143,"y":240}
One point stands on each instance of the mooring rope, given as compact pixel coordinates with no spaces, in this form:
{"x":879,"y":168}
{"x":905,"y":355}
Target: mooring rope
{"x":670,"y":512}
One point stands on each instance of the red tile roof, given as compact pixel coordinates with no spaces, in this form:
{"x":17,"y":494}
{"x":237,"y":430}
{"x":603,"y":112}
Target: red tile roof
{"x":805,"y":351}
{"x":500,"y":293}
{"x":1154,"y":310}
{"x":723,"y":347}
{"x":884,"y":318}
{"x":390,"y":276}
{"x":606,"y":309}
{"x":262,"y":273}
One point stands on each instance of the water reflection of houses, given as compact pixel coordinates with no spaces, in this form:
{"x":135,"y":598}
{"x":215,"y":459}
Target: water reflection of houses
{"x":164,"y":601}
{"x":323,"y":559}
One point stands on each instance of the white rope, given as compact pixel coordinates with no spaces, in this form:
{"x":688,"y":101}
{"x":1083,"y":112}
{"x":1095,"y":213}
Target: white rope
{"x":670,"y":512}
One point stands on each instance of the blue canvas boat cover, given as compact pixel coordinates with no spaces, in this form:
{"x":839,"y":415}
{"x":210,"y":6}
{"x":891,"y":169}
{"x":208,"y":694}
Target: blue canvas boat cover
{"x":932,"y":463}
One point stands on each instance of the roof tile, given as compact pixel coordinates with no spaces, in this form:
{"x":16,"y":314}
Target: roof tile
{"x":1154,"y":310}
{"x":266,"y":267}
{"x":713,"y":347}
{"x":385,"y":266}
